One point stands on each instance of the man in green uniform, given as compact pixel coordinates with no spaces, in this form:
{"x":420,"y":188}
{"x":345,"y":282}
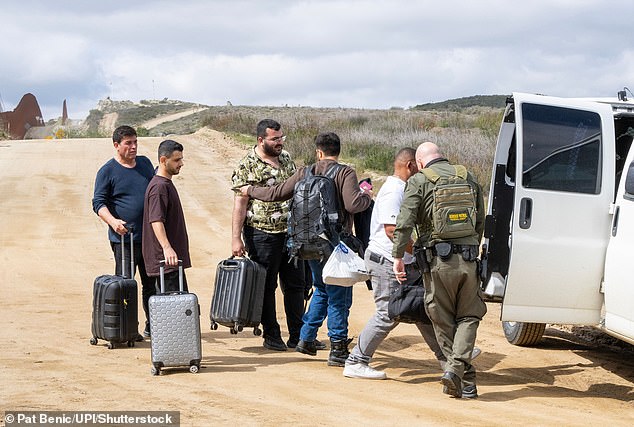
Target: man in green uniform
{"x":445,"y":204}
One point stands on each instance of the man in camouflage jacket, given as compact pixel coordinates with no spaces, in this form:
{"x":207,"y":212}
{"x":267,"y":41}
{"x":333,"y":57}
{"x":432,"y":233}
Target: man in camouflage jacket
{"x":263,"y":225}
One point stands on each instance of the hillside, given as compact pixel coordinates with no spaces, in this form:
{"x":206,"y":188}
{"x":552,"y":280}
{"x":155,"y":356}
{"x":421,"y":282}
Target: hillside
{"x":460,"y":104}
{"x":144,"y":114}
{"x":466,"y":129}
{"x":149,"y":114}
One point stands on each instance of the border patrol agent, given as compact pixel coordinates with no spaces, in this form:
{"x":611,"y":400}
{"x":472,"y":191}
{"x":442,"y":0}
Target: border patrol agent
{"x":452,"y":291}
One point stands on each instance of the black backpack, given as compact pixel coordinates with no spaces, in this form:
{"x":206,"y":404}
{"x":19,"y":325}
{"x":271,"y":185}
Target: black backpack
{"x":315,"y":220}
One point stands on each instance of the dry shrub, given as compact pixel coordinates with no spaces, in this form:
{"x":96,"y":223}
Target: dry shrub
{"x":370,"y":138}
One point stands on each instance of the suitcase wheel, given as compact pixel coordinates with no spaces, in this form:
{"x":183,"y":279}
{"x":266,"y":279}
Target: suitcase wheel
{"x":155,"y":370}
{"x":110,"y":346}
{"x":237,"y":328}
{"x":93,"y":341}
{"x":214,"y":326}
{"x":257,"y":331}
{"x":193,"y":369}
{"x":130,"y":343}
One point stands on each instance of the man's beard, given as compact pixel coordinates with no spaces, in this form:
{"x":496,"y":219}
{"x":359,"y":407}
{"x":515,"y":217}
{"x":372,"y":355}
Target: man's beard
{"x":271,"y":150}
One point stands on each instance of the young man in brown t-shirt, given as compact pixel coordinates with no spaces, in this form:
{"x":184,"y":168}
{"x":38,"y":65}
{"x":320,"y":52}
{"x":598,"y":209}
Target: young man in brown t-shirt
{"x":164,"y":230}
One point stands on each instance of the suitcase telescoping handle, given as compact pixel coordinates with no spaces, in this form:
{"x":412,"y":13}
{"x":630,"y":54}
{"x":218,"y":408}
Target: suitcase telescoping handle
{"x":131,"y":232}
{"x":180,"y":275}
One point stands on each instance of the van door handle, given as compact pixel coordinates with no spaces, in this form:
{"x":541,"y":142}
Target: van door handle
{"x":615,"y":220}
{"x":526,"y":212}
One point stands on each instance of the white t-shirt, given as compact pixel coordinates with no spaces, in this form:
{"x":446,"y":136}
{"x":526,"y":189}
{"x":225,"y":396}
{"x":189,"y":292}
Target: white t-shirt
{"x":386,"y":208}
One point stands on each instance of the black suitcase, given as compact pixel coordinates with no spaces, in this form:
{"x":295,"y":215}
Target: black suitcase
{"x":115,"y":316}
{"x":175,"y":327}
{"x":238,"y":295}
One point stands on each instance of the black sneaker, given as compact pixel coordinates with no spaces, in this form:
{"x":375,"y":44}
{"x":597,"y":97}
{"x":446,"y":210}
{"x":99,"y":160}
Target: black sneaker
{"x":274,"y":344}
{"x":138,"y":338}
{"x":306,"y":347}
{"x":318,"y":344}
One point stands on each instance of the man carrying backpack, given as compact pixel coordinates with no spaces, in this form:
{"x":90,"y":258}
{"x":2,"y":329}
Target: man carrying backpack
{"x":446,"y":204}
{"x":333,"y":218}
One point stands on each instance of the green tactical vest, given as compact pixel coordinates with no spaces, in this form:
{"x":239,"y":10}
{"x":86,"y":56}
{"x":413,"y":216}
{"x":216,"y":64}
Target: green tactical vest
{"x":454,"y":205}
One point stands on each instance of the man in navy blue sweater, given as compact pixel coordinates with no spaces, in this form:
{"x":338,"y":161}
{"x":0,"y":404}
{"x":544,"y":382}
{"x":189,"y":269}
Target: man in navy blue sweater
{"x":118,"y":200}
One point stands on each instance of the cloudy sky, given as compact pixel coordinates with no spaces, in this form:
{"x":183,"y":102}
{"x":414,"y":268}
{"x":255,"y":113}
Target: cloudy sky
{"x":323,"y":53}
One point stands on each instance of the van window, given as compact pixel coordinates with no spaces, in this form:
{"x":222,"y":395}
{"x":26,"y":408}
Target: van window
{"x":562,"y":149}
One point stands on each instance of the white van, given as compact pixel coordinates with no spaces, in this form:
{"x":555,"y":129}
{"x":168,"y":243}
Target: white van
{"x":559,"y":233}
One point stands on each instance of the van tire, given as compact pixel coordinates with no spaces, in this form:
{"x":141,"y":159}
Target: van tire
{"x":523,"y":334}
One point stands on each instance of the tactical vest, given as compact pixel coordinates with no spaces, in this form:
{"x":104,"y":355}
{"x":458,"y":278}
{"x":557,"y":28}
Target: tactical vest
{"x":454,"y":205}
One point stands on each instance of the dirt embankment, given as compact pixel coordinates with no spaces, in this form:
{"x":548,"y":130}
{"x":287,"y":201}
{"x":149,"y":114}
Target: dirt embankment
{"x":53,"y":246}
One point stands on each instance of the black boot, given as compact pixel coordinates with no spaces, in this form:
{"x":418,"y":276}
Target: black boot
{"x":306,"y":347}
{"x":338,"y":352}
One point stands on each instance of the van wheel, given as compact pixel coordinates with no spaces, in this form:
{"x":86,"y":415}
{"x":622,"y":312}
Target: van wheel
{"x":523,"y":334}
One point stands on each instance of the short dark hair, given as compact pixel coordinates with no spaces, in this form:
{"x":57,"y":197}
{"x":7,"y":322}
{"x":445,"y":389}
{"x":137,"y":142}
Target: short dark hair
{"x":265,"y":124}
{"x":405,"y":154}
{"x":122,"y":131}
{"x":329,"y":143}
{"x":167,"y":148}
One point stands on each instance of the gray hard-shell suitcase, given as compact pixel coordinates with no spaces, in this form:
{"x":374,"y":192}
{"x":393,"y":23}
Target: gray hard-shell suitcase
{"x":175,"y":327}
{"x":115,"y":316}
{"x":238,"y":295}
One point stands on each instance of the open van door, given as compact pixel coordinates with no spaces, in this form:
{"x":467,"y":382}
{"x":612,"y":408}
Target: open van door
{"x":564,"y":185}
{"x":618,"y":285}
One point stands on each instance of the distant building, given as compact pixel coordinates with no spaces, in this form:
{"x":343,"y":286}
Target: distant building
{"x":25,"y":116}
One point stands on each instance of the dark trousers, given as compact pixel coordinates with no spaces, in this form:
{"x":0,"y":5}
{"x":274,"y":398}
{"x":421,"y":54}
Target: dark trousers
{"x":269,"y":250}
{"x":147,"y":283}
{"x":170,"y":282}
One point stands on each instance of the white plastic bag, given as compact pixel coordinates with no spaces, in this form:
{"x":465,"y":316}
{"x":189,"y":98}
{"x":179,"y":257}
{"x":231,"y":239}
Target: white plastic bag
{"x":344,"y":267}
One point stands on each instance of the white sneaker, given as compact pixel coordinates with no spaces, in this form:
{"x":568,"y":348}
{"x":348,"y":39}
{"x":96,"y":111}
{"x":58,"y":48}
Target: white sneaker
{"x":361,"y":370}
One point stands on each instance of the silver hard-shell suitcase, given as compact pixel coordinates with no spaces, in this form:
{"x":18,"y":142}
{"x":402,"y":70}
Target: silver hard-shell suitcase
{"x":175,"y":327}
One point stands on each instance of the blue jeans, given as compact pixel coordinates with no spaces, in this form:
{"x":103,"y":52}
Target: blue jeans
{"x":328,"y":300}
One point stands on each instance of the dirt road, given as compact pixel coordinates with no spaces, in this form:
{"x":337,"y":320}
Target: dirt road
{"x":167,"y":118}
{"x":52,"y":246}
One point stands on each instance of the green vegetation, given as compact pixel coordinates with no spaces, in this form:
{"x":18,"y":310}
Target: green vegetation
{"x":141,"y":131}
{"x":92,"y":124}
{"x":460,"y":104}
{"x":241,"y":138}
